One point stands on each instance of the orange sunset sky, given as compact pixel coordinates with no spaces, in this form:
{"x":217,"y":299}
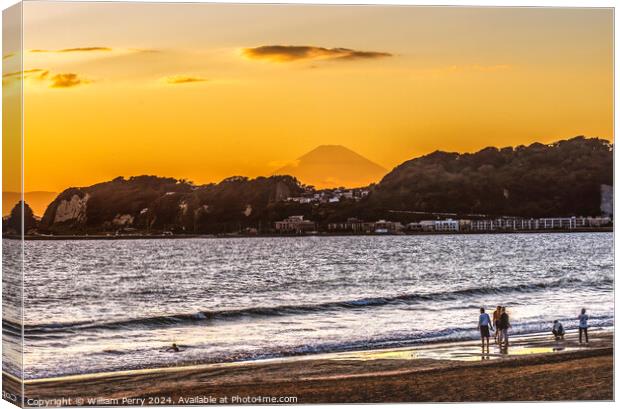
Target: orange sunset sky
{"x":207,"y":91}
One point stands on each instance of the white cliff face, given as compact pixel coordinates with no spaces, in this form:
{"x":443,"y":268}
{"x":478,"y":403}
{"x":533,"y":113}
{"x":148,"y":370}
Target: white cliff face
{"x":122,"y":220}
{"x":74,"y":209}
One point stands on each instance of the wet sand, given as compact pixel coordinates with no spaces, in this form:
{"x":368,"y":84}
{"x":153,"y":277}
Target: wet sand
{"x":534,"y":368}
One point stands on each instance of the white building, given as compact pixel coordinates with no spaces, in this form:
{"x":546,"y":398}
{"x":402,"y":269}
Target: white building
{"x":439,"y":225}
{"x":295,"y":224}
{"x":427,"y":225}
{"x":385,"y":227}
{"x":545,"y":223}
{"x":446,"y":225}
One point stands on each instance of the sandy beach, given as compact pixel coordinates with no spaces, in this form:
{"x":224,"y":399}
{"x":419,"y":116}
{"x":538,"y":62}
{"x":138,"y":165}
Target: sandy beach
{"x":535,"y":367}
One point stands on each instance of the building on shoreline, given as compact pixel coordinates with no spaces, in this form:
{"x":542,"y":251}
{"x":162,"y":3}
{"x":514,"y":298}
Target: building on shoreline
{"x":387,"y":227}
{"x":295,"y":225}
{"x":445,"y":225}
{"x":509,"y":224}
{"x":353,"y":225}
{"x":357,"y":226}
{"x":544,"y":223}
{"x":298,"y":225}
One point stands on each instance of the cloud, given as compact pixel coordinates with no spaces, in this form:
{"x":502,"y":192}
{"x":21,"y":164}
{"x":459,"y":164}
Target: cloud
{"x":183,"y":79}
{"x":26,"y":73}
{"x":62,"y":80}
{"x":35,"y":73}
{"x":72,"y":50}
{"x":66,"y":80}
{"x":8,"y":55}
{"x":288,"y":53}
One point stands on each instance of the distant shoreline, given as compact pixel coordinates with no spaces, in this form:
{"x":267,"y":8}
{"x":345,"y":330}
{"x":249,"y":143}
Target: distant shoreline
{"x":323,"y":234}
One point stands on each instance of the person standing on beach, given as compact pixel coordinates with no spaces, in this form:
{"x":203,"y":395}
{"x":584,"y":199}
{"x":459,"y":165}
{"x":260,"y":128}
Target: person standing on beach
{"x":583,"y":325}
{"x":496,"y":314}
{"x":504,"y":325}
{"x":484,"y":324}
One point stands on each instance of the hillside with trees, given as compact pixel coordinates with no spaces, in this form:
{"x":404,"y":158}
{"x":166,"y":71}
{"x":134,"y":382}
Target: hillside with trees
{"x":166,"y":204}
{"x":12,"y":224}
{"x":560,"y":179}
{"x":564,"y":178}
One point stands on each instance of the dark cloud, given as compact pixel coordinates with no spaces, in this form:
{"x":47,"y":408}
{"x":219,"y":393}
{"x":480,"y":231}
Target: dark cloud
{"x":66,"y":80}
{"x":72,"y":50}
{"x":287,"y":53}
{"x":184,"y":79}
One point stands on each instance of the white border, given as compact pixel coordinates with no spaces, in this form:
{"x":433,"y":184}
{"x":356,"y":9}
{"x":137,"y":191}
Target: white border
{"x":484,"y":3}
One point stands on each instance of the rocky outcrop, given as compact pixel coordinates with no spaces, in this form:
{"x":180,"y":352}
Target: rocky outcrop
{"x":68,"y":211}
{"x":123,"y":220}
{"x":151,"y":203}
{"x":72,"y":210}
{"x":12,"y":224}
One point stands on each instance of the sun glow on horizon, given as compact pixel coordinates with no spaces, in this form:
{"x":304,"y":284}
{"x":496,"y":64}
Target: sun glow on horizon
{"x":208,"y":91}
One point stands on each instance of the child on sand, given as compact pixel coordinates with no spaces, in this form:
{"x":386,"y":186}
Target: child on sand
{"x":583,"y":325}
{"x":558,"y":330}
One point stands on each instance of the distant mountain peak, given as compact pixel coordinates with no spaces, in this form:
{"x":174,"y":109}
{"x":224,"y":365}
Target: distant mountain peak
{"x":329,"y":166}
{"x":332,"y":150}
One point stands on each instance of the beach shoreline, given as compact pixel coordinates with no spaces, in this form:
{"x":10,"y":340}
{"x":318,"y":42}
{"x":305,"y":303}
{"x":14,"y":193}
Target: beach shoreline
{"x":322,"y":234}
{"x":449,"y":371}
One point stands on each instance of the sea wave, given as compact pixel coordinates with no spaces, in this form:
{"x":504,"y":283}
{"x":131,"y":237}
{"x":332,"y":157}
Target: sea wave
{"x":397,"y":340}
{"x":48,"y":330}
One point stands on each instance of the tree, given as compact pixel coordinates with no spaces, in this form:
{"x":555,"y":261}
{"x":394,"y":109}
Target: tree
{"x":14,"y":221}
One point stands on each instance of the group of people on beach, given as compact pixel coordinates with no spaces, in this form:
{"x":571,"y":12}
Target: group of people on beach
{"x":501,"y":324}
{"x":558,"y":329}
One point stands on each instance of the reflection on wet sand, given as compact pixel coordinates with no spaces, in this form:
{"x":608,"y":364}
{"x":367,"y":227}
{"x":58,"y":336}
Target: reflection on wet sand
{"x":470,"y":351}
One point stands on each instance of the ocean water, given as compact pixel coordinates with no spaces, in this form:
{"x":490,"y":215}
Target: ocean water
{"x":99,"y":305}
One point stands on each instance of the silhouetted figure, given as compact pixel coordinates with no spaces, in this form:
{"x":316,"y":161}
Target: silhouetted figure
{"x":484,"y":324}
{"x":558,"y":330}
{"x":496,"y":314}
{"x":504,"y":325}
{"x":173,"y":348}
{"x":583,"y":325}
